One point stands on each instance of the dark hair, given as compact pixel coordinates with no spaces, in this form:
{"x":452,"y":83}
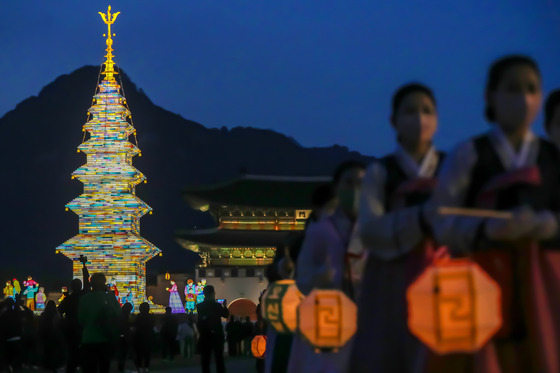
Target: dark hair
{"x":496,"y":73}
{"x":552,"y":102}
{"x":49,"y":313}
{"x":127,"y":307}
{"x":321,"y":195}
{"x":407,"y":89}
{"x":76,"y":285}
{"x":345,"y":166}
{"x":98,"y":281}
{"x":208,"y":290}
{"x":144,"y":307}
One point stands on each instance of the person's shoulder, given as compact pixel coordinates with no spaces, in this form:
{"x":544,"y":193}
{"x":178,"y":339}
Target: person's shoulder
{"x":84,"y":297}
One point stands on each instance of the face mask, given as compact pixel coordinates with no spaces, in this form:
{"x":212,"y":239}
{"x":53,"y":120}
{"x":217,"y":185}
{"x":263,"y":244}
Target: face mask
{"x":514,"y":110}
{"x":416,"y":127}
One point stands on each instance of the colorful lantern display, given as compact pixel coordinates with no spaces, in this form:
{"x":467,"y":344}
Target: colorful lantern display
{"x":454,"y":306}
{"x":279,"y":305}
{"x":258,"y":346}
{"x":108,"y":210}
{"x":327,"y":319}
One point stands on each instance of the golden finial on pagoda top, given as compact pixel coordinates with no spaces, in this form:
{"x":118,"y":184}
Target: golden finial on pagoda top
{"x":109,"y":19}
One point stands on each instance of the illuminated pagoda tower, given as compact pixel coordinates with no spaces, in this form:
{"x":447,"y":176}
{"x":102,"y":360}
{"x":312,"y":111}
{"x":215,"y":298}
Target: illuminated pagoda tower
{"x":108,"y":210}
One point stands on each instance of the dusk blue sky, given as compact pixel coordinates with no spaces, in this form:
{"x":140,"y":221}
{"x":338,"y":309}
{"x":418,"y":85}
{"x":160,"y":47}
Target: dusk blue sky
{"x":322,"y":72}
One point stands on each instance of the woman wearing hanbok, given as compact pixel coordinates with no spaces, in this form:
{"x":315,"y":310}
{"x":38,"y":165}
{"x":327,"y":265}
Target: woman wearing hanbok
{"x":509,"y":169}
{"x":190,"y":296}
{"x":552,"y":117}
{"x":279,"y":346}
{"x":322,"y":264}
{"x":174,"y":300}
{"x":17,"y":287}
{"x":396,"y":237}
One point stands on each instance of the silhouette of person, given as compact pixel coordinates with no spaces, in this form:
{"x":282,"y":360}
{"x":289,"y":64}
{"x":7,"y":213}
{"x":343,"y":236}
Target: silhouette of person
{"x":68,"y":309}
{"x":143,"y":337}
{"x":51,"y":338}
{"x":98,"y":314}
{"x":211,"y":339}
{"x":124,"y":337}
{"x":168,"y":333}
{"x":248,"y":334}
{"x":233,"y":335}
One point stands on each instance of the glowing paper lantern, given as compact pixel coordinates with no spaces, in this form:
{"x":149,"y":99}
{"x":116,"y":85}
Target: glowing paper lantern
{"x":327,"y":319}
{"x":167,"y":276}
{"x":279,"y":306}
{"x":454,"y":306}
{"x":258,"y":346}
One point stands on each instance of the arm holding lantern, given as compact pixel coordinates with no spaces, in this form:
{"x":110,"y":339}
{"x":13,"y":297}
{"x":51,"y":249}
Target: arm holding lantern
{"x":458,"y":232}
{"x":463,"y":232}
{"x":386,"y":235}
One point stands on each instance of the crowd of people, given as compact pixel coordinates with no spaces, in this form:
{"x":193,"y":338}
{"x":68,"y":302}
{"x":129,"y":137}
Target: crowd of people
{"x":376,"y":227}
{"x":90,"y":329}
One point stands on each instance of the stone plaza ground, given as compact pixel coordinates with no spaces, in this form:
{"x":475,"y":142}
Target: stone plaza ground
{"x":240,"y":364}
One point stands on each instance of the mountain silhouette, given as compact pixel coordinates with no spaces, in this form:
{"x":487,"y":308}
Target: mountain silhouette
{"x":38,"y":144}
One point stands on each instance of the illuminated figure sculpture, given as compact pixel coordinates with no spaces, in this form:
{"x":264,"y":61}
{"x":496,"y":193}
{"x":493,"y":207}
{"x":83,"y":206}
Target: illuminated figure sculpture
{"x":174,"y":299}
{"x":200,"y":291}
{"x":30,"y":292}
{"x":128,"y":298}
{"x":17,"y":287}
{"x":64,"y":292}
{"x":30,"y":282}
{"x":9,"y":290}
{"x":108,"y":210}
{"x":40,"y":299}
{"x":190,"y":296}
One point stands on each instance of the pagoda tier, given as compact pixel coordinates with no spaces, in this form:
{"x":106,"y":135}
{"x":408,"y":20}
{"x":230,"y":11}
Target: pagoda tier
{"x":112,"y":170}
{"x":108,"y":210}
{"x":97,"y":147}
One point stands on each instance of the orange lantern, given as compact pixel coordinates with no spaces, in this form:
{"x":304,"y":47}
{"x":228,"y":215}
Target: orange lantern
{"x":327,"y":319}
{"x":258,"y":346}
{"x":167,"y":276}
{"x":454,"y":306}
{"x":279,"y":306}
